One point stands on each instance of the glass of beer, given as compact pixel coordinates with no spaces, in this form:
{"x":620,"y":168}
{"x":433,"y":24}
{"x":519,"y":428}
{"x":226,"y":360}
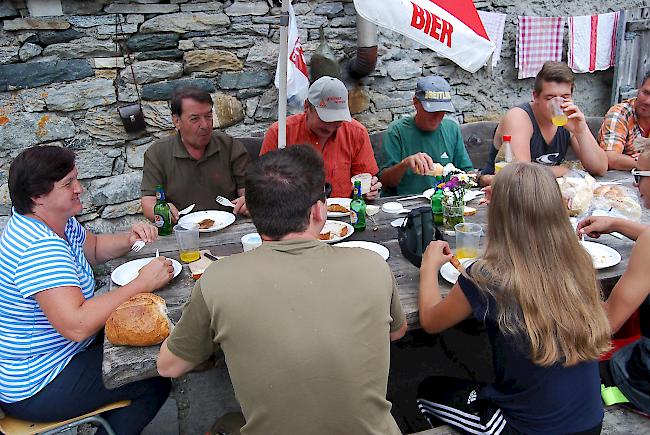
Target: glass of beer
{"x":468,"y":237}
{"x":558,"y":117}
{"x":187,"y":236}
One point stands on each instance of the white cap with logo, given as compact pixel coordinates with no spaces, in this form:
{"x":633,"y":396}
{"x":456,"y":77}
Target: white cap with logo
{"x":330,"y":99}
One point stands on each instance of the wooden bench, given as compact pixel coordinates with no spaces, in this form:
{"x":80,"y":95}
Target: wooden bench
{"x":477,"y":137}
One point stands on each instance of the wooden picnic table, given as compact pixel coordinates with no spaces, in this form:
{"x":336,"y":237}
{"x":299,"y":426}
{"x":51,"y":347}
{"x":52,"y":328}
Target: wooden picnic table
{"x":122,"y":364}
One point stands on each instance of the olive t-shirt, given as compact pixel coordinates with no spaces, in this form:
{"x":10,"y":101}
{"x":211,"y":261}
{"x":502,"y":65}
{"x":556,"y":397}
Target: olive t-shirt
{"x":186,"y":181}
{"x":304,"y":327}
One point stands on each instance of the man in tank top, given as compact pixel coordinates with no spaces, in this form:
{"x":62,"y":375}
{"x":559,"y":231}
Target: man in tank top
{"x":534,"y":136}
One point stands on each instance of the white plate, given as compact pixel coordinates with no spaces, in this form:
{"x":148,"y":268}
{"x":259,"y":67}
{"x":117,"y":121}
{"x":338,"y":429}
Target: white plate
{"x":392,"y":207}
{"x":602,"y":255}
{"x":397,"y":222}
{"x":375,"y":247}
{"x":450,"y":273}
{"x":336,"y":227}
{"x":127,"y":272}
{"x":221,"y":219}
{"x":345,"y":202}
{"x":469,"y":195}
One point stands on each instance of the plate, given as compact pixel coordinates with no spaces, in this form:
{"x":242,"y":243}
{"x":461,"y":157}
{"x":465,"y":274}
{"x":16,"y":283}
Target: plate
{"x":397,"y":222}
{"x":393,"y":207}
{"x":602,"y":255}
{"x":375,"y":247}
{"x":469,"y":195}
{"x":345,"y":202}
{"x":127,"y":272}
{"x":221,"y":219}
{"x":450,"y":273}
{"x":335,"y":227}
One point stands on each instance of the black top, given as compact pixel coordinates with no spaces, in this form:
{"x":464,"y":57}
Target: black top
{"x":551,"y":154}
{"x":535,"y":399}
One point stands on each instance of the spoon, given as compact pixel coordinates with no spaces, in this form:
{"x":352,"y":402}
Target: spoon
{"x":224,"y":201}
{"x":186,"y":210}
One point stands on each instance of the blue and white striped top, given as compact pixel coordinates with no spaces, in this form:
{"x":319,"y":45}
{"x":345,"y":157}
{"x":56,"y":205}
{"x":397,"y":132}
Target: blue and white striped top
{"x":32,"y":259}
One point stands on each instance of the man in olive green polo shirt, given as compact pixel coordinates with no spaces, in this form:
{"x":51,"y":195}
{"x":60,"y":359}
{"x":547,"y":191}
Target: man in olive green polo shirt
{"x":304,"y":326}
{"x":196,"y":164}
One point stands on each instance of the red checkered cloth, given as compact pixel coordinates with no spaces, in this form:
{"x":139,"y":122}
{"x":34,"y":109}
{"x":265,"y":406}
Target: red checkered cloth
{"x":538,"y":39}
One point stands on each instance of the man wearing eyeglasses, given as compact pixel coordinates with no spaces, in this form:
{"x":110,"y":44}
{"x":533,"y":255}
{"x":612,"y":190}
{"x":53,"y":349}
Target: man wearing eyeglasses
{"x":306,"y":336}
{"x":626,"y":129}
{"x":633,"y":287}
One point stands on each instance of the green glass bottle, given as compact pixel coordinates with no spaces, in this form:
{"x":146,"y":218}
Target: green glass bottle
{"x":358,"y":209}
{"x":436,"y":207}
{"x":162,"y":215}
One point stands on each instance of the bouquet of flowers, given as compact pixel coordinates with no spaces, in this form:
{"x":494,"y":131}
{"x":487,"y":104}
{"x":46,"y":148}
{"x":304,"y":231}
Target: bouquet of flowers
{"x":457,"y":182}
{"x":453,"y":190}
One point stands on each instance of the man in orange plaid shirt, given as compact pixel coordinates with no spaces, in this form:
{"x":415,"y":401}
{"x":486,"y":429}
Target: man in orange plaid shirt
{"x":625,"y":129}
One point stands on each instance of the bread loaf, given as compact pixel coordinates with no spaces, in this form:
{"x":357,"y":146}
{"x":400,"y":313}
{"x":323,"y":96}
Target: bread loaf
{"x":139,"y":321}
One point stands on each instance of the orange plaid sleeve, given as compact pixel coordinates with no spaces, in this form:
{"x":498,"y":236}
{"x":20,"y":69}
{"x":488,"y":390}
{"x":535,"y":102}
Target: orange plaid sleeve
{"x":613,"y":132}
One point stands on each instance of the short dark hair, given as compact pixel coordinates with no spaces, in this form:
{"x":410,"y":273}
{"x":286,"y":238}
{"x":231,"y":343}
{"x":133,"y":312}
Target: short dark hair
{"x":281,"y":187}
{"x":191,"y":92}
{"x":34,"y":172}
{"x":551,"y":71}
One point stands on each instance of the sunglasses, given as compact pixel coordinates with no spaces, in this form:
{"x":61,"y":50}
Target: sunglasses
{"x":638,"y":174}
{"x":327,"y":191}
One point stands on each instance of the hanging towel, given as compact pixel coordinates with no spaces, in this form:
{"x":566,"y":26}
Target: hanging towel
{"x":592,"y":42}
{"x":494,"y":23}
{"x":538,"y":39}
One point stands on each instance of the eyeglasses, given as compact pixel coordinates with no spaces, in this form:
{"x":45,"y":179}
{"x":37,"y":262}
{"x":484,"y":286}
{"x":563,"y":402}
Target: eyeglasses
{"x":327,"y":191}
{"x":638,"y":174}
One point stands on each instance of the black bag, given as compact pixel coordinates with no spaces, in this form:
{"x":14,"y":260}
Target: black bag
{"x":416,"y":233}
{"x":132,"y":117}
{"x":131,"y":114}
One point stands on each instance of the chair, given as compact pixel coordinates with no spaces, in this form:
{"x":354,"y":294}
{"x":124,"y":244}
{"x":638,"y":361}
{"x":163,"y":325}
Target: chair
{"x":14,"y":426}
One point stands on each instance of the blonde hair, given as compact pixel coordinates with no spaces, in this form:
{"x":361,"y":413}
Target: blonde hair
{"x":543,"y":281}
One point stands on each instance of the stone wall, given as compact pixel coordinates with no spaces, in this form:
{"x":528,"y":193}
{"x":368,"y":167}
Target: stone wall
{"x":59,"y":83}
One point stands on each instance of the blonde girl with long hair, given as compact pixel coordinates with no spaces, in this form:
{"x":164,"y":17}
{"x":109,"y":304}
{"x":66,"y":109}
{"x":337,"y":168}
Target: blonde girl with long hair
{"x":536,"y":290}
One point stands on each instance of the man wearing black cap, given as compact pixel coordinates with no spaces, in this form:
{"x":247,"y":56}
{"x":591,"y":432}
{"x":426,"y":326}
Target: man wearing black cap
{"x":412,"y":145}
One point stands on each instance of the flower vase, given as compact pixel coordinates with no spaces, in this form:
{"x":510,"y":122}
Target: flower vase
{"x":452,"y":215}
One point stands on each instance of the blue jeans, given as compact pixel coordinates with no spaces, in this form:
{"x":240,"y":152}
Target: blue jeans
{"x":79,"y":389}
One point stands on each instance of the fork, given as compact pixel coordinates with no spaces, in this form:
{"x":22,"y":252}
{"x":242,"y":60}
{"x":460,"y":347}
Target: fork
{"x":139,"y":244}
{"x":224,"y":201}
{"x":372,"y":218}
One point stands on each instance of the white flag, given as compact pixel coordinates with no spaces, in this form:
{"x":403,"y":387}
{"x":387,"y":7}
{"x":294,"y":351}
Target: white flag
{"x":297,"y":75}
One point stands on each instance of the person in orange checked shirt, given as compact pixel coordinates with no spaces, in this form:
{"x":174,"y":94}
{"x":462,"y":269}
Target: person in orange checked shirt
{"x":326,"y":125}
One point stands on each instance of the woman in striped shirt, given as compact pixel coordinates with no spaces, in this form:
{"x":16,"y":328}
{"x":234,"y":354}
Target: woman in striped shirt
{"x":50,"y":349}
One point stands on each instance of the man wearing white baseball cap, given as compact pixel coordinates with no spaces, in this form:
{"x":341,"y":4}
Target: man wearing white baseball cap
{"x":411,"y":145}
{"x":326,"y":125}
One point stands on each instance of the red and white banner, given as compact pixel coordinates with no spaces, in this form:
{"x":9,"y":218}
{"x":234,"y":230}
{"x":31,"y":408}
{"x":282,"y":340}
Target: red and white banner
{"x":297,"y":75}
{"x":452,"y":29}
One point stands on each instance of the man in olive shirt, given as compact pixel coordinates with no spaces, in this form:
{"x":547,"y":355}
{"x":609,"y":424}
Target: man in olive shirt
{"x":196,"y":164}
{"x":304,"y":325}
